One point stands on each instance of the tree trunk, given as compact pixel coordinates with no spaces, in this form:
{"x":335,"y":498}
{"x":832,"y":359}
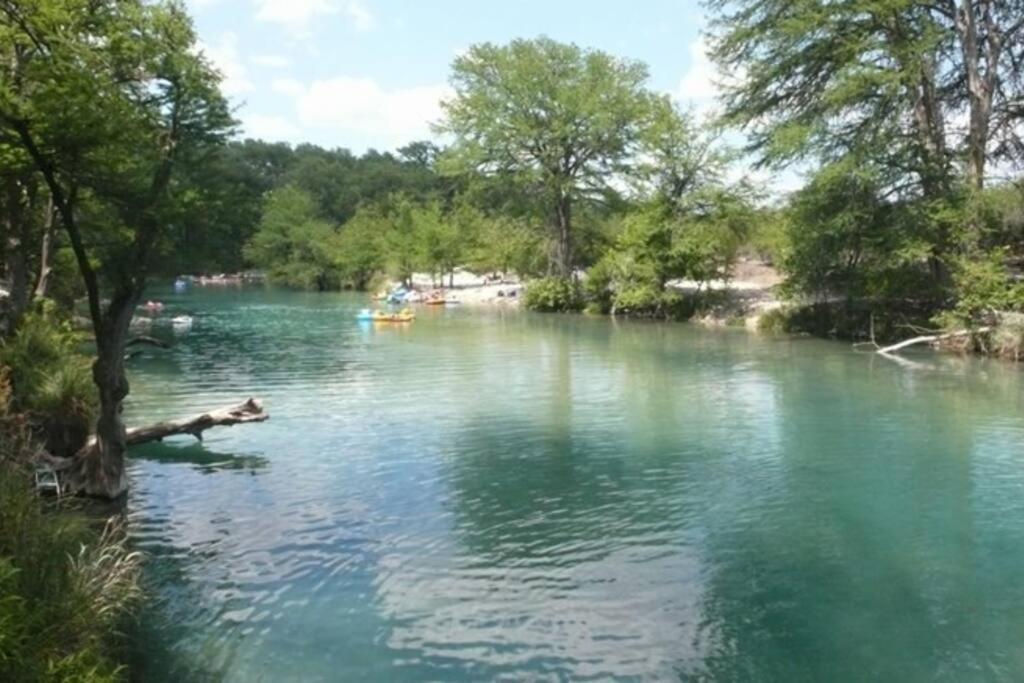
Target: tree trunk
{"x":563,"y":260}
{"x":981,"y":85}
{"x":16,"y":247}
{"x":46,"y":252}
{"x":100,"y":469}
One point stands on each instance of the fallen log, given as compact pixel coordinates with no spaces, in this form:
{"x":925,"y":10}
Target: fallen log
{"x":929,"y":339}
{"x":150,"y":341}
{"x":249,"y":411}
{"x":88,"y":472}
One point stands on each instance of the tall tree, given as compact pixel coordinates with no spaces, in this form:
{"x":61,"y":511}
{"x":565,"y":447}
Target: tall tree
{"x":115,"y":97}
{"x":889,"y":77}
{"x":554,"y":118}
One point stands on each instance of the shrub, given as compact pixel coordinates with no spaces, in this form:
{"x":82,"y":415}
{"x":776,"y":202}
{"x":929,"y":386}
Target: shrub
{"x":553,"y":295}
{"x":63,"y":588}
{"x":984,"y":289}
{"x":50,"y":380}
{"x":775,"y":321}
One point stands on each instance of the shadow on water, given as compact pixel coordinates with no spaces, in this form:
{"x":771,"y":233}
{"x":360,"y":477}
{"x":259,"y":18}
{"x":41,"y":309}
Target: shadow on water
{"x":196,"y":454}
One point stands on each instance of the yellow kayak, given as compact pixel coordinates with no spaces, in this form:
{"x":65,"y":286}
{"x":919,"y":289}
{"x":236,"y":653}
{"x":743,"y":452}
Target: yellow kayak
{"x":405,"y":316}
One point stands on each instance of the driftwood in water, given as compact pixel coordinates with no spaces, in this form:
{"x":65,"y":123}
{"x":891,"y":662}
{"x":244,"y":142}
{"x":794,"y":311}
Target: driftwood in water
{"x":930,"y":339}
{"x":249,"y":411}
{"x":79,"y":473}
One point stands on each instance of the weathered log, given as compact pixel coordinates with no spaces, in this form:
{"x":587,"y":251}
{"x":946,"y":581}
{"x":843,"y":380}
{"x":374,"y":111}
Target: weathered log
{"x":249,"y":411}
{"x":930,"y":339}
{"x":78,"y":474}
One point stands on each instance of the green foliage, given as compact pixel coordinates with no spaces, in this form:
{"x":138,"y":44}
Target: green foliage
{"x":844,"y":238}
{"x":548,"y":117}
{"x":51,"y":379}
{"x":291,"y":244}
{"x":769,"y":237}
{"x":697,"y":239}
{"x":553,"y":295}
{"x":775,"y":321}
{"x":358,"y":248}
{"x":984,"y":290}
{"x":64,"y":588}
{"x":235,"y":182}
{"x":506,"y":245}
{"x":441,"y":240}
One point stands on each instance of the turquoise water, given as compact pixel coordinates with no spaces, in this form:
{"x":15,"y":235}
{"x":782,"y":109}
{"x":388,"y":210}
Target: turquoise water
{"x":493,"y":495}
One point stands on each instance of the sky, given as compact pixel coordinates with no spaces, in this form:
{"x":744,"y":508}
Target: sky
{"x":367,"y":74}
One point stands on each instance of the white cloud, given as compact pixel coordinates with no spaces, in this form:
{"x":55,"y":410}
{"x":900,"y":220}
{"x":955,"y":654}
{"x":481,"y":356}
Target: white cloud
{"x":358,"y":108}
{"x":361,"y":17}
{"x":297,"y":15}
{"x":271,"y":61}
{"x":225,"y":56}
{"x":288,"y":86}
{"x":697,"y":87}
{"x":270,"y":128}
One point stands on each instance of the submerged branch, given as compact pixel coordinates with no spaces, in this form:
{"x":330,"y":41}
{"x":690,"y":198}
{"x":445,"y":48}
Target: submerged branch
{"x":930,"y":339}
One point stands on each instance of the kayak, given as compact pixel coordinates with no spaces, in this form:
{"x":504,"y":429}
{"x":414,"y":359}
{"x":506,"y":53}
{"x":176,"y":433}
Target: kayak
{"x":393,"y":318}
{"x":382,"y":317}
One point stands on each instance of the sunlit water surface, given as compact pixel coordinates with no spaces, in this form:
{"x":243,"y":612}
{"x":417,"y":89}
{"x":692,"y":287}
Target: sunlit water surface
{"x":492,"y":495}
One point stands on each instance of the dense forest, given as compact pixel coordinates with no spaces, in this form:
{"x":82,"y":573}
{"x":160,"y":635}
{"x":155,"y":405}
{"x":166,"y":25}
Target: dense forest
{"x":120,"y":163}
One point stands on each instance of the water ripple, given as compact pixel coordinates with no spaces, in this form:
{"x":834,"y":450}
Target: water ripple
{"x":497,"y":496}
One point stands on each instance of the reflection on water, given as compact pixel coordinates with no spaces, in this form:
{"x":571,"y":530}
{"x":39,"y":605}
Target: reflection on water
{"x":488,"y":495}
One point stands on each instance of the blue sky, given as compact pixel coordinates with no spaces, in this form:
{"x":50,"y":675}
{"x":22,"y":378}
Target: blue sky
{"x":370,"y":73}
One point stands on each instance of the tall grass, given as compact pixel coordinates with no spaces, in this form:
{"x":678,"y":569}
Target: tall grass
{"x":66,"y":580}
{"x":51,"y":380}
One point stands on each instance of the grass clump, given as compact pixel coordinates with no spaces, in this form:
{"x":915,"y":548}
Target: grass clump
{"x":51,"y":380}
{"x":67,"y":581}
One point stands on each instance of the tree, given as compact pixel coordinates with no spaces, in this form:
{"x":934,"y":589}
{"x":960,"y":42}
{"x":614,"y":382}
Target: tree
{"x":358,"y":248}
{"x":439,"y":242}
{"x":292,"y":245}
{"x":679,"y":157}
{"x":888,"y":76}
{"x":556,"y":119}
{"x":841,"y":241}
{"x":115,"y":99}
{"x":506,"y":245}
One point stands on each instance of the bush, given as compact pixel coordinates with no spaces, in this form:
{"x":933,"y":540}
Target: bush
{"x":553,"y":295}
{"x":1008,"y":337}
{"x":64,"y":589}
{"x":51,"y":380}
{"x":775,"y":321}
{"x":984,"y":289}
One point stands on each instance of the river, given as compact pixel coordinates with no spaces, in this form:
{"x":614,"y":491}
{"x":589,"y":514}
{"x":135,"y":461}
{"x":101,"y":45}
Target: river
{"x":488,"y":494}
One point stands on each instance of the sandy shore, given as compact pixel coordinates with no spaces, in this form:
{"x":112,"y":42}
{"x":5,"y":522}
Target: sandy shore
{"x":470,"y":288}
{"x":751,"y":293}
{"x":748,"y":295}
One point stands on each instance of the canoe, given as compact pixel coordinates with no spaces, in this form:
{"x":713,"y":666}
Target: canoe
{"x":394,"y":318}
{"x":435,"y":302}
